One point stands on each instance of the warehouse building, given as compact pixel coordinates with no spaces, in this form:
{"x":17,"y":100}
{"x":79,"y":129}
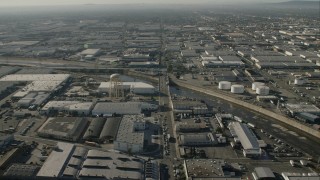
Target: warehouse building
{"x":143,"y":64}
{"x":191,"y":107}
{"x":285,"y":65}
{"x":56,"y":162}
{"x":35,"y":77}
{"x":33,"y":98}
{"x":308,"y":118}
{"x":68,"y":161}
{"x":230,"y":59}
{"x":206,"y":139}
{"x":198,"y":127}
{"x":197,"y":169}
{"x":130,"y":136}
{"x":39,"y":82}
{"x":72,"y":107}
{"x":93,"y":131}
{"x":302,"y":108}
{"x":133,"y":87}
{"x":110,"y":165}
{"x":275,"y":59}
{"x":122,"y":108}
{"x":247,"y":139}
{"x":110,"y":129}
{"x":299,"y":176}
{"x":68,"y":129}
{"x":263,"y":173}
{"x":189,"y":53}
{"x":135,"y":58}
{"x":225,"y":76}
{"x":222,"y":64}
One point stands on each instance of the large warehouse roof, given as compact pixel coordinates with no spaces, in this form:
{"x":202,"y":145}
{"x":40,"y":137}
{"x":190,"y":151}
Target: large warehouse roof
{"x":208,"y":168}
{"x":245,"y":135}
{"x":263,"y":172}
{"x":300,"y":108}
{"x":63,"y":128}
{"x":56,"y":161}
{"x":126,"y":132}
{"x":110,"y":128}
{"x":200,"y":139}
{"x":35,"y":77}
{"x":94,"y":128}
{"x":67,"y":105}
{"x":277,"y":59}
{"x":111,"y":165}
{"x":40,"y":82}
{"x":108,"y":108}
{"x":127,"y":85}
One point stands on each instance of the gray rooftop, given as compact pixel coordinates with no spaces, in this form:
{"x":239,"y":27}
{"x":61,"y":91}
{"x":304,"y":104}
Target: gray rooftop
{"x":126,"y":132}
{"x":245,"y":135}
{"x":110,"y":128}
{"x":70,"y":128}
{"x":22,"y":170}
{"x":110,"y":165}
{"x":204,"y":167}
{"x":264,"y":172}
{"x":55,"y":163}
{"x":94,"y":128}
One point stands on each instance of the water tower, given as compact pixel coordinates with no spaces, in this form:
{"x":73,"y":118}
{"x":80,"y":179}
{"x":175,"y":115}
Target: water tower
{"x":116,"y":86}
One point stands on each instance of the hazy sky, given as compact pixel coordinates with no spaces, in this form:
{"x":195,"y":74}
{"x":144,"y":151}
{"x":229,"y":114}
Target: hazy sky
{"x":66,"y":2}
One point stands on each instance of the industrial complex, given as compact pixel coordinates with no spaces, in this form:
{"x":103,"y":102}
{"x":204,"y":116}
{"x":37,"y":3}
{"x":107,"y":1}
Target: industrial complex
{"x":158,"y":92}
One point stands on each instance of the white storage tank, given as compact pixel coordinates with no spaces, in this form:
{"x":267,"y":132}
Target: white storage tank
{"x":263,"y":90}
{"x":237,"y":89}
{"x":225,"y":85}
{"x":299,"y":81}
{"x":257,"y":84}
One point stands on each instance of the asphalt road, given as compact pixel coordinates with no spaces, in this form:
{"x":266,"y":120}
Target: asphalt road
{"x":170,"y":159}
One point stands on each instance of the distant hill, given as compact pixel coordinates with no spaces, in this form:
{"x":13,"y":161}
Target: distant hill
{"x":298,"y":4}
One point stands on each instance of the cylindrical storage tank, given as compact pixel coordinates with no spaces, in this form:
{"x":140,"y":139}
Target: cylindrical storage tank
{"x":237,"y":89}
{"x":263,"y":90}
{"x":225,"y":85}
{"x":257,"y":84}
{"x":299,"y":81}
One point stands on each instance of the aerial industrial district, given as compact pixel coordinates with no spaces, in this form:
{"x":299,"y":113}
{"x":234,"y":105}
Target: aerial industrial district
{"x":197,"y":96}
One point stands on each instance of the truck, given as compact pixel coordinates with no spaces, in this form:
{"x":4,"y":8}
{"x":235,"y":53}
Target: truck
{"x":292,"y":163}
{"x":251,"y":125}
{"x":237,"y":119}
{"x":303,"y":162}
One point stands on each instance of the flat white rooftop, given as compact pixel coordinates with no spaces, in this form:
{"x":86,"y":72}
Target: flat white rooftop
{"x":247,"y":139}
{"x":71,"y":105}
{"x":56,"y":160}
{"x":127,"y":85}
{"x":35,"y":77}
{"x":90,"y":51}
